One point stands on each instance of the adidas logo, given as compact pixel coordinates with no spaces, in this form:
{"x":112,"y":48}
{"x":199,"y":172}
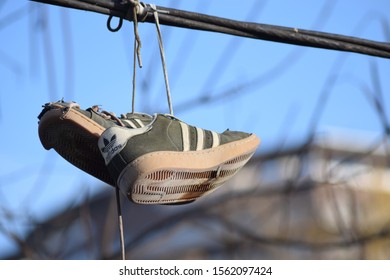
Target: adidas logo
{"x":109,"y":147}
{"x":108,"y":143}
{"x":114,"y":140}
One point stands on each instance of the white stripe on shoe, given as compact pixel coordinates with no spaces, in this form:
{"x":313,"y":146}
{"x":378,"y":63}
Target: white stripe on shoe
{"x":129,"y":122}
{"x":185,"y":129}
{"x":215,"y":139}
{"x":139,"y":122}
{"x":200,"y":139}
{"x":186,"y":136}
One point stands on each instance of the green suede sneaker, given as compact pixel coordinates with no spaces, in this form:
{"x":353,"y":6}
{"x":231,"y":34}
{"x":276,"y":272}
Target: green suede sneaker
{"x":73,"y":133}
{"x":170,"y":162}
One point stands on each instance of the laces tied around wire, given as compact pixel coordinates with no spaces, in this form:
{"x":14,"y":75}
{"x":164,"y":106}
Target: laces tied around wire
{"x":139,"y":9}
{"x":142,"y":10}
{"x":162,"y":55}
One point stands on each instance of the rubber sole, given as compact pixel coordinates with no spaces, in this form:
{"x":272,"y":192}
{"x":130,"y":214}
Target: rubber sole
{"x":74,"y":136}
{"x":182,"y":177}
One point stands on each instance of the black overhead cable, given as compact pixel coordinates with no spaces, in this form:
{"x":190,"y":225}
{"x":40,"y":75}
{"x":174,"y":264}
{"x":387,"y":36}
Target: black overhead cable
{"x":229,"y":50}
{"x":260,"y":81}
{"x":191,"y":20}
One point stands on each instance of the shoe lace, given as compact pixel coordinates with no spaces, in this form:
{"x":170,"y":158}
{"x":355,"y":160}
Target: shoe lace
{"x":137,"y":8}
{"x":106,"y":115}
{"x":109,"y":115}
{"x":162,"y":54}
{"x":113,"y":117}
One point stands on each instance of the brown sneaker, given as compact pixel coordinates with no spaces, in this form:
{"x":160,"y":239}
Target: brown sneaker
{"x":73,"y":133}
{"x":169,"y":162}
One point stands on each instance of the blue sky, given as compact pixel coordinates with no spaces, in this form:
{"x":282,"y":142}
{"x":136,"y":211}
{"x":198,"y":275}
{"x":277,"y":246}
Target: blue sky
{"x":48,"y":53}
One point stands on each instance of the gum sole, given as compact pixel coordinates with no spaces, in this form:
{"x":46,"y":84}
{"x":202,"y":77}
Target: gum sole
{"x":74,"y":136}
{"x":180,"y":177}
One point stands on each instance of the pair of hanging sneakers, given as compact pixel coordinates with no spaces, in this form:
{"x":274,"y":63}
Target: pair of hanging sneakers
{"x":152,"y":159}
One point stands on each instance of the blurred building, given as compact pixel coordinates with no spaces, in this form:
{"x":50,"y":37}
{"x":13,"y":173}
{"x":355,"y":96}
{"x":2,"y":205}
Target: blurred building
{"x":327,"y":199}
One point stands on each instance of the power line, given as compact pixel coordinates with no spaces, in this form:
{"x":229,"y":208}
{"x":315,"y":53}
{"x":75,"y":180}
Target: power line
{"x":191,"y":20}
